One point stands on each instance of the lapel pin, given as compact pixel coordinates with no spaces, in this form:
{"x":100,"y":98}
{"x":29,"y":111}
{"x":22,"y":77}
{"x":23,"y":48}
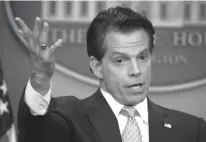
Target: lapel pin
{"x":167,"y":125}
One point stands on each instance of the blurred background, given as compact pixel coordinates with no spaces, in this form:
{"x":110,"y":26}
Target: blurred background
{"x":179,"y":68}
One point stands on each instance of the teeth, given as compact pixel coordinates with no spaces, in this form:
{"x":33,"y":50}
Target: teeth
{"x":136,"y":87}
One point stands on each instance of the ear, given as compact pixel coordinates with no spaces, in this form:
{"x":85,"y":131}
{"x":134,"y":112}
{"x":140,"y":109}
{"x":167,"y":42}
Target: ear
{"x":96,"y":67}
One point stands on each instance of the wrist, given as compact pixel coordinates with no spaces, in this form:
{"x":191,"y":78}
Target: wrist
{"x":39,"y":81}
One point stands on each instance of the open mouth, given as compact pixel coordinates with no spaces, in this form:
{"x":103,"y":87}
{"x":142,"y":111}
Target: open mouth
{"x":135,"y":86}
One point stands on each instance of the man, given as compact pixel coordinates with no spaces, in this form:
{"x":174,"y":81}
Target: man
{"x":119,"y":44}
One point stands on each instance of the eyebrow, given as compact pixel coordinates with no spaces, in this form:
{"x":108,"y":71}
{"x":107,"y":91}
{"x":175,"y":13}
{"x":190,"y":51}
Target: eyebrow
{"x":125,"y":54}
{"x":131,"y":44}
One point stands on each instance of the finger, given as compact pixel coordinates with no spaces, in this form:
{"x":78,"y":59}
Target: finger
{"x":44,"y":35}
{"x":37,"y":27}
{"x":26,"y":31}
{"x":21,"y":33}
{"x":58,"y":43}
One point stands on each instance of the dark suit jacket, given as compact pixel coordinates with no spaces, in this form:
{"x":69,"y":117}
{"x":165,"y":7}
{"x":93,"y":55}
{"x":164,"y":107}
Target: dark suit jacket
{"x":91,"y":120}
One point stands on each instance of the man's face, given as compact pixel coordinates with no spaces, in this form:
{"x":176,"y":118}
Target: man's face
{"x":126,"y":66}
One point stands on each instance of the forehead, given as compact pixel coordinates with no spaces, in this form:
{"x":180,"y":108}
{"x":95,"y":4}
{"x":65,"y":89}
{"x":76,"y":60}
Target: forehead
{"x":137,"y":40}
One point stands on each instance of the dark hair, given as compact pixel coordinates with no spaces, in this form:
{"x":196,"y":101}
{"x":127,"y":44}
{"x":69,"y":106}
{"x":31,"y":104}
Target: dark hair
{"x":117,"y":18}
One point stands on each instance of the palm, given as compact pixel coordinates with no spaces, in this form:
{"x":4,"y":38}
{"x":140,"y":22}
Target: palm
{"x":42,"y":59}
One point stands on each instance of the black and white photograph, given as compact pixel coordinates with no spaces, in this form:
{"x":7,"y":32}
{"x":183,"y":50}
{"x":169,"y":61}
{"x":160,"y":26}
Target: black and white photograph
{"x":103,"y":71}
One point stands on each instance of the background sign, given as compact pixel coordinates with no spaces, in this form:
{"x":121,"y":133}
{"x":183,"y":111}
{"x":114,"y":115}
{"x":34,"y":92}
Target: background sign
{"x":180,"y":40}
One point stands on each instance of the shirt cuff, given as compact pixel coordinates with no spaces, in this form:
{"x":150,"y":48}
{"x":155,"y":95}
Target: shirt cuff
{"x":37,"y":103}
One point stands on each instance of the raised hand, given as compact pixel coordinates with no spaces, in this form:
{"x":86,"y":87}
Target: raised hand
{"x":42,"y":55}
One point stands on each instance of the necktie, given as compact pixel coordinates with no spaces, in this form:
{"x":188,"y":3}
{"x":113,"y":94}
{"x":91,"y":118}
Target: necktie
{"x":131,"y":132}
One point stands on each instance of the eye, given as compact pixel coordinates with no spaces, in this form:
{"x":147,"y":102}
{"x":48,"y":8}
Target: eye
{"x":143,"y":56}
{"x":119,"y":60}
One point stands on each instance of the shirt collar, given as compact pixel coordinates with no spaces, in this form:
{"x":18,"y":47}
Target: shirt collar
{"x":116,"y":107}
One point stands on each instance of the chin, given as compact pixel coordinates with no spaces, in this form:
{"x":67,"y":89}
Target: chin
{"x":134,"y":101}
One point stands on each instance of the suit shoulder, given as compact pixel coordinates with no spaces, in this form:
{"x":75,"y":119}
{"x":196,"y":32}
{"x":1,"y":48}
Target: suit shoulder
{"x":186,"y":124}
{"x":64,"y":100}
{"x":65,"y":104}
{"x":177,"y":113}
{"x":179,"y":117}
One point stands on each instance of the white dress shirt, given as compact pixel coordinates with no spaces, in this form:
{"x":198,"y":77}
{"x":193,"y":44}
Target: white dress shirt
{"x":142,"y":120}
{"x":38,"y":105}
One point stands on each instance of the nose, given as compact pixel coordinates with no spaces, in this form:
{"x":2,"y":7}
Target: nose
{"x":134,"y":69}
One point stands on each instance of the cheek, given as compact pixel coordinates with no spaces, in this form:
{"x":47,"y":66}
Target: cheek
{"x":113,"y":74}
{"x":147,"y":71}
{"x":147,"y":74}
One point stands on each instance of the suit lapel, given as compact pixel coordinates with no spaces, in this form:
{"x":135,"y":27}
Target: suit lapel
{"x":160,"y":127}
{"x":106,"y":126}
{"x":103,"y":119}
